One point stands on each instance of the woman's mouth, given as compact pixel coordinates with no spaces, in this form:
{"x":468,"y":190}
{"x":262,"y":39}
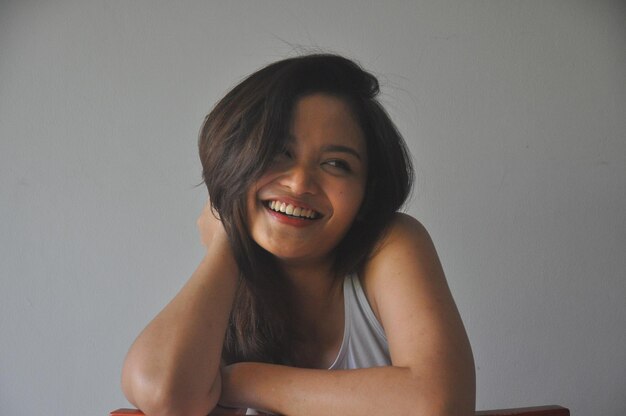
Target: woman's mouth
{"x":292,"y":210}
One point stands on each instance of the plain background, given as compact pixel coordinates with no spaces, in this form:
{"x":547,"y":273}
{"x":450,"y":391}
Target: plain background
{"x":515,"y":113}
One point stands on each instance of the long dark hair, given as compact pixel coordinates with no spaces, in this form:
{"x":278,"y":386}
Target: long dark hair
{"x":239,"y":140}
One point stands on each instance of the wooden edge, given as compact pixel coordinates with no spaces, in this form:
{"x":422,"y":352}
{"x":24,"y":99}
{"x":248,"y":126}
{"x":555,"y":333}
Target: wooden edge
{"x":552,"y":410}
{"x":219,"y":411}
{"x":125,"y":412}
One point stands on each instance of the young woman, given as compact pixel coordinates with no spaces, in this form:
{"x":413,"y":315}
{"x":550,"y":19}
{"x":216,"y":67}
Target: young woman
{"x":309,"y":267}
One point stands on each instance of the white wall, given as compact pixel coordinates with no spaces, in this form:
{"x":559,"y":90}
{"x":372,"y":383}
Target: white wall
{"x":515,"y":113}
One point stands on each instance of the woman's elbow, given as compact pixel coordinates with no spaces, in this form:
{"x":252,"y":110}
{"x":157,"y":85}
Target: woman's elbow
{"x":165,"y":397}
{"x":447,"y":405}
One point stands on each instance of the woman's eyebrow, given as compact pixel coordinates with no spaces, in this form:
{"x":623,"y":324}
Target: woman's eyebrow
{"x":342,"y":149}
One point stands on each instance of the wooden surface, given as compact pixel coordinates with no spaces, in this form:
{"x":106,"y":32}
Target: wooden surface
{"x":527,"y":411}
{"x":520,"y":411}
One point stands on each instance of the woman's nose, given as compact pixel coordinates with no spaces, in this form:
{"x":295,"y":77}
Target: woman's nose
{"x":300,"y":180}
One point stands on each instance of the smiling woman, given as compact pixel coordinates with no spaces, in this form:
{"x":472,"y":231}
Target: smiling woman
{"x":309,"y":266}
{"x":321,"y":174}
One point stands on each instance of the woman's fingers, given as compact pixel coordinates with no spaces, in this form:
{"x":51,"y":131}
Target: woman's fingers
{"x":209,"y":224}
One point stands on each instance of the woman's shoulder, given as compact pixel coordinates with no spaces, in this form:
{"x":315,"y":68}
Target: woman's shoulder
{"x":403,"y":230}
{"x":404,"y":252}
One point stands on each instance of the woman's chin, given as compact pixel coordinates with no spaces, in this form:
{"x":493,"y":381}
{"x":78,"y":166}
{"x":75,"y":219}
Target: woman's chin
{"x":292,"y":257}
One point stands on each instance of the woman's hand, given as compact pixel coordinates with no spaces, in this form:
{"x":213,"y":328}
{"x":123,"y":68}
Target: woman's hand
{"x":209,"y":225}
{"x":229,"y":397}
{"x":227,"y":411}
{"x":238,"y":385}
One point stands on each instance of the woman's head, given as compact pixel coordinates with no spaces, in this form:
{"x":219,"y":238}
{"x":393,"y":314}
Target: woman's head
{"x":307,"y":199}
{"x":240,"y":142}
{"x":252,"y":124}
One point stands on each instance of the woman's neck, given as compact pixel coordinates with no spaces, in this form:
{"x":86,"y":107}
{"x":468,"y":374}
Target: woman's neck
{"x":312,"y":281}
{"x":318,"y":301}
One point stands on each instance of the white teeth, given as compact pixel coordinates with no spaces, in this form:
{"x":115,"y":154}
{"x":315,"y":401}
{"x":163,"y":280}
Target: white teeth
{"x":289,"y":209}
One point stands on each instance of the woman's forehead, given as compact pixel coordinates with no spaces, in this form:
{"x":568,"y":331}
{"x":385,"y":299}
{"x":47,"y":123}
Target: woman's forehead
{"x":324,"y":117}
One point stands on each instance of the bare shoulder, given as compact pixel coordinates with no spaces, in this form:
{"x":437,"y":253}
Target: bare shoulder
{"x":404,"y":255}
{"x":404,"y":229}
{"x":405,"y":239}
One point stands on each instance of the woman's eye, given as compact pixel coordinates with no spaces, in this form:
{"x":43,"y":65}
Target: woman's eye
{"x":339,"y":164}
{"x":282,"y":155}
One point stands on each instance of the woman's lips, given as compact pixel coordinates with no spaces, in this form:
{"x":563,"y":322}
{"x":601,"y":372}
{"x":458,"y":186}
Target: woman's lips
{"x":287,"y":213}
{"x":292,"y":209}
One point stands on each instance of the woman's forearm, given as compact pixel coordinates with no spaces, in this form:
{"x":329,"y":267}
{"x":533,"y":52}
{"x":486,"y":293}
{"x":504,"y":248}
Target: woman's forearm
{"x":379,"y":390}
{"x":173,"y":366}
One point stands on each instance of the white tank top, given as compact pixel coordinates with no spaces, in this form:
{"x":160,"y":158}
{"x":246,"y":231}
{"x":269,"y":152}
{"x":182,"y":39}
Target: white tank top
{"x":364,"y":341}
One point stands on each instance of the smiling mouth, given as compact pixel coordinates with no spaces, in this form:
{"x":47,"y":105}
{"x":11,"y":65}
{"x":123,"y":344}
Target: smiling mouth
{"x":292,"y":210}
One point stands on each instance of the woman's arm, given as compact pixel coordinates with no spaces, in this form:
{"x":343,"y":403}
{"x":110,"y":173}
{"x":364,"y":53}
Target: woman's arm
{"x":432,"y":370}
{"x":173,"y":367}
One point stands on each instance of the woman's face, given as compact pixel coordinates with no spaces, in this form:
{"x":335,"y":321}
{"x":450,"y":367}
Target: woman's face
{"x":304,"y":204}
